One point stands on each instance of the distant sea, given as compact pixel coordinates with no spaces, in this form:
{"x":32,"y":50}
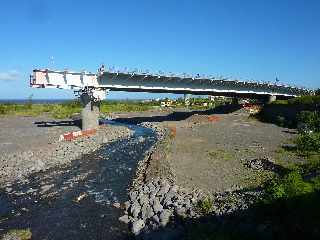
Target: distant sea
{"x":34,"y":101}
{"x":51,"y":101}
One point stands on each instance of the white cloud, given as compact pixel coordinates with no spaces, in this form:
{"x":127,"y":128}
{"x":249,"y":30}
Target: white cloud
{"x":11,"y":75}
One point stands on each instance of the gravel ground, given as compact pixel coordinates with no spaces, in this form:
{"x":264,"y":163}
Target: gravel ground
{"x":214,"y":156}
{"x":28,"y":147}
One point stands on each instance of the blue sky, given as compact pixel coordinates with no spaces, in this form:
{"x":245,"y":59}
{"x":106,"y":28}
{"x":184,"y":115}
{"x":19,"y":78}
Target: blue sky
{"x":247,"y":39}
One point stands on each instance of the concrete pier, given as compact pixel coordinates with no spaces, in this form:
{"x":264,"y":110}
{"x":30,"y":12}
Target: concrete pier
{"x":187,"y":99}
{"x":90,"y":112}
{"x":271,"y":98}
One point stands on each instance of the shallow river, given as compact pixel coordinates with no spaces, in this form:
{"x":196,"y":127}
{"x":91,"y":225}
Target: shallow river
{"x":76,"y":201}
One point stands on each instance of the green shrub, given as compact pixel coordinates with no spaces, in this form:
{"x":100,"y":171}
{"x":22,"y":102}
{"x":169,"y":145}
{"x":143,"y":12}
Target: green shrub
{"x":308,"y":142}
{"x":290,"y":186}
{"x":305,"y":100}
{"x":317,"y":92}
{"x":310,"y":119}
{"x":205,"y":205}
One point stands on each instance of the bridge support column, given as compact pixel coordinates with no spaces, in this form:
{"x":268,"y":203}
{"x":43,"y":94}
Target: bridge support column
{"x":187,"y":99}
{"x":271,"y":98}
{"x":90,"y":112}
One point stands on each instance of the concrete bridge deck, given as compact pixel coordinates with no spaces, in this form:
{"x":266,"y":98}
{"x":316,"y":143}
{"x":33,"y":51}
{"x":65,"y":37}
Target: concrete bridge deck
{"x":161,"y":83}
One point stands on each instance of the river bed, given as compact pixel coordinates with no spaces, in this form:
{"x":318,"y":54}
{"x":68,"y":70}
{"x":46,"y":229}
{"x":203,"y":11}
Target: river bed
{"x":76,"y":201}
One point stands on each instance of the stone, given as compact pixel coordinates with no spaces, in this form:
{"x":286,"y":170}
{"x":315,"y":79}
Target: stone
{"x":181,"y":212}
{"x":163,"y":189}
{"x":116,"y":205}
{"x":125,"y":219}
{"x":126,"y":205}
{"x":137,"y":226}
{"x":156,"y":219}
{"x":146,"y":211}
{"x":143,"y":199}
{"x":146,"y":189}
{"x":151,"y":187}
{"x":165,"y":217}
{"x":167,"y":203}
{"x":135,"y":209}
{"x":133,"y":195}
{"x":157,"y":207}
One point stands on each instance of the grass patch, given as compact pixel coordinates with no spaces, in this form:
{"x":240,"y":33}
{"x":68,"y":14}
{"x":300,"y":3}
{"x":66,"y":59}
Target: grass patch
{"x":59,"y":111}
{"x":205,"y":206}
{"x":69,"y":108}
{"x":125,"y":106}
{"x":220,"y":154}
{"x":21,"y":234}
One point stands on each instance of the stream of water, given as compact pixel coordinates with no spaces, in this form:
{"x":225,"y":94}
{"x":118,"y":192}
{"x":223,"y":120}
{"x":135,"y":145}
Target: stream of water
{"x":76,"y":201}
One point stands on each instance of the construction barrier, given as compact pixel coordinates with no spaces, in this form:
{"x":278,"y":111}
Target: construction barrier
{"x":69,"y":136}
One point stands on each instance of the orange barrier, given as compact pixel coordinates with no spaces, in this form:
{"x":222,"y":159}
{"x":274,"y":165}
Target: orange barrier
{"x":69,"y":136}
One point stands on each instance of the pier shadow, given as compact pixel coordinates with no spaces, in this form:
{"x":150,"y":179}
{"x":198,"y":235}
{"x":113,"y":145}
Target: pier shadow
{"x":179,"y":116}
{"x":76,"y":123}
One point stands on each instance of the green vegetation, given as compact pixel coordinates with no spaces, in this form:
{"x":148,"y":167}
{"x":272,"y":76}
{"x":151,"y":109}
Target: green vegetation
{"x":126,"y":106}
{"x":286,"y":113}
{"x":289,"y":186}
{"x":220,"y":154}
{"x":69,"y":108}
{"x":59,"y":111}
{"x":310,"y":120}
{"x":309,"y":100}
{"x":205,"y":206}
{"x":21,"y":234}
{"x":308,"y":143}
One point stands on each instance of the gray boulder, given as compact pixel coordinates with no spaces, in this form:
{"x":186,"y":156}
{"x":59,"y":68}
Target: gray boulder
{"x":146,"y":211}
{"x":165,"y":217}
{"x":157,"y":207}
{"x":137,"y":226}
{"x":125,"y":219}
{"x":135,"y":209}
{"x":133,"y":196}
{"x":127,"y":205}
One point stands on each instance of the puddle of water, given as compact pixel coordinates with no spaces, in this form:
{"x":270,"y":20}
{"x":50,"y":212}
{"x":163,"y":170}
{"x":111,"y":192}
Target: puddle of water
{"x":75,"y":201}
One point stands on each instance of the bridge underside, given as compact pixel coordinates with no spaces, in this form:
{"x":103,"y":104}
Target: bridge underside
{"x":210,"y":93}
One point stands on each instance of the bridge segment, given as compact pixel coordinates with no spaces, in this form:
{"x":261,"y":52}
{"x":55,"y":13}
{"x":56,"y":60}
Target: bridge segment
{"x":92,"y":87}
